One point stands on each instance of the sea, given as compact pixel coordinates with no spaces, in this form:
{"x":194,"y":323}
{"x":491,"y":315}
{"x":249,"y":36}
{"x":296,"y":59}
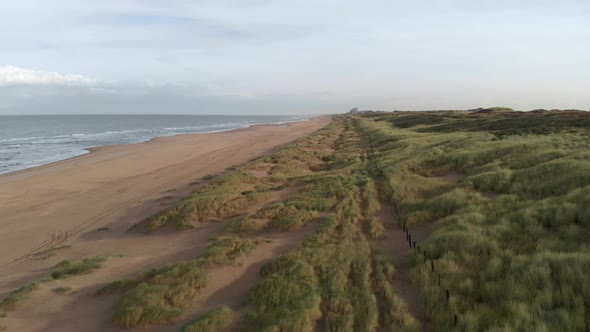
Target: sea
{"x":33,"y":140}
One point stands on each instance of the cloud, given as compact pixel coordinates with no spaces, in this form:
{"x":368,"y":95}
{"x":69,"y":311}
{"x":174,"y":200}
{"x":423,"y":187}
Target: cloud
{"x":11,"y":75}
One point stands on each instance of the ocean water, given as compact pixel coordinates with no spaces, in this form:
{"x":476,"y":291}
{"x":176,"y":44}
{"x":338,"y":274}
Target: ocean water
{"x":29,"y":141}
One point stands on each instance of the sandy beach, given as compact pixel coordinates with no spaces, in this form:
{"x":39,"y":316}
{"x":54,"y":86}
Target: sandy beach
{"x":113,"y":188}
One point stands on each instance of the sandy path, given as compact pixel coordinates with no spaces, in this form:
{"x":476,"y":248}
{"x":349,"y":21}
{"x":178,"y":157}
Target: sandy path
{"x":114,"y":187}
{"x":395,"y":246}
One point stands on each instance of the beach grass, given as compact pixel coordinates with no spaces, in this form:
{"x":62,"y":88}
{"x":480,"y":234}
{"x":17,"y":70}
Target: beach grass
{"x":66,"y":269}
{"x":161,"y":295}
{"x":510,"y":242}
{"x":328,"y":281}
{"x":63,"y":290}
{"x":214,"y":320}
{"x":17,"y":295}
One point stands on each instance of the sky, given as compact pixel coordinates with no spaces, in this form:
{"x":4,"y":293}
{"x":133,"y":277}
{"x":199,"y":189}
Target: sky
{"x":291,"y":57}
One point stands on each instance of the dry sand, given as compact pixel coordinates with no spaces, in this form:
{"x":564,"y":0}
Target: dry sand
{"x":111,"y":189}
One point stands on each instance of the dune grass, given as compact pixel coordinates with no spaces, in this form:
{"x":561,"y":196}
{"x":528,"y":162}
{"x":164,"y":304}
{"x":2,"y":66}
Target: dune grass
{"x":231,"y":194}
{"x":510,"y":244}
{"x":329,"y":281}
{"x":66,"y":269}
{"x":212,"y":321}
{"x":63,"y":290}
{"x":17,"y":295}
{"x":161,"y":295}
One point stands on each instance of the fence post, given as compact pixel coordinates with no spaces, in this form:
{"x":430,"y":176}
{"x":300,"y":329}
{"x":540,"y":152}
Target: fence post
{"x":448,"y":295}
{"x":414,"y":244}
{"x":410,"y":240}
{"x":432,"y":264}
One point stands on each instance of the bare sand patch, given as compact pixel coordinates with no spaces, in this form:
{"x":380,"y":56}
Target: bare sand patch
{"x":452,"y":177}
{"x":395,"y":246}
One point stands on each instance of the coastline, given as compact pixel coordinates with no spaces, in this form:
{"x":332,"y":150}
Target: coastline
{"x":94,"y":149}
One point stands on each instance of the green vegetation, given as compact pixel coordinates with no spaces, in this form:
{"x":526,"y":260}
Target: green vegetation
{"x":214,"y":320}
{"x":17,"y":295}
{"x":161,"y":295}
{"x":63,"y":270}
{"x":335,"y":279}
{"x":66,"y":269}
{"x":63,"y":290}
{"x":232,"y":194}
{"x":511,"y":238}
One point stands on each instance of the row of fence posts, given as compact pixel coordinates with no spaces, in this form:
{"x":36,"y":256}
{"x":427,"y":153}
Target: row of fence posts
{"x":411,"y":243}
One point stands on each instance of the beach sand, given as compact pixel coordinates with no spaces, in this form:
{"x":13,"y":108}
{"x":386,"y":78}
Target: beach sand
{"x":89,"y":203}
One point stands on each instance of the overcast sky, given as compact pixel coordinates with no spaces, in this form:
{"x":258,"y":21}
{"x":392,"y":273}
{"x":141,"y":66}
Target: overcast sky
{"x":287,"y":57}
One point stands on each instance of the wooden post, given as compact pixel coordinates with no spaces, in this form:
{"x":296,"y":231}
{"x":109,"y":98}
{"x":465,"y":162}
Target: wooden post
{"x":448,"y":295}
{"x":414,"y":244}
{"x":410,"y":240}
{"x":455,"y":320}
{"x":432,"y":264}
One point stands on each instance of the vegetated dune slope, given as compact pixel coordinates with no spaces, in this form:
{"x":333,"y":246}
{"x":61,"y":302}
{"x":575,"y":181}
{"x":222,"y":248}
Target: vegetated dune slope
{"x":381,"y":221}
{"x":510,"y":246}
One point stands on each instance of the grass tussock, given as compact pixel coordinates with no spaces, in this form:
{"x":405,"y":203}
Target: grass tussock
{"x":161,"y":295}
{"x":17,"y":295}
{"x":63,"y":290}
{"x":214,"y":320}
{"x":63,"y":270}
{"x":66,"y":269}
